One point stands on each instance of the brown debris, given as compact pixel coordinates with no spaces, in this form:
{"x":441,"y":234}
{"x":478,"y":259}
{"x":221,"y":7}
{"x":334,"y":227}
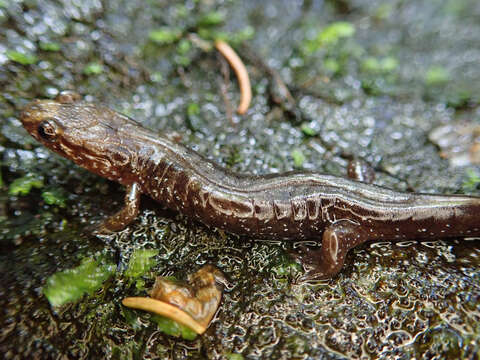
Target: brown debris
{"x":192,"y":304}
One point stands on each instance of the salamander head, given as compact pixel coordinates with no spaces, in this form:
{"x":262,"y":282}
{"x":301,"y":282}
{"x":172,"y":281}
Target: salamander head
{"x":77,"y":130}
{"x":50,"y":121}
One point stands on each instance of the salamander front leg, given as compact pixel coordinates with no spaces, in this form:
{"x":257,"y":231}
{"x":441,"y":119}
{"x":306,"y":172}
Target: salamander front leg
{"x":126,"y":215}
{"x":337,"y":239}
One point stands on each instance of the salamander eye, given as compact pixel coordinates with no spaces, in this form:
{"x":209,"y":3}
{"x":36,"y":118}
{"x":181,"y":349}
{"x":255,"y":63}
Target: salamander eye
{"x":47,"y":130}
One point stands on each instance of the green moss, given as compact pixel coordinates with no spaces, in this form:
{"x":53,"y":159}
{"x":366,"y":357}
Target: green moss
{"x":231,"y":356}
{"x":286,"y":267}
{"x":93,"y":68}
{"x":329,"y":36}
{"x":332,"y":33}
{"x":49,"y":46}
{"x":182,"y":11}
{"x":213,"y":34}
{"x":70,"y":285}
{"x":234,"y":157}
{"x":164,"y":35}
{"x":157,"y":76}
{"x":23,"y":185}
{"x":194,"y":120}
{"x":131,"y":318}
{"x":371,"y":64}
{"x":193,"y":109}
{"x":126,"y":350}
{"x":245,"y":34}
{"x":436,"y":75}
{"x":460,"y":97}
{"x":374,"y":65}
{"x":140,"y":262}
{"x":183,"y":48}
{"x":379,"y":74}
{"x":21,"y":58}
{"x":472,"y":182}
{"x":183,"y":60}
{"x":331,"y":65}
{"x":298,"y":158}
{"x":170,"y":327}
{"x":389,"y":64}
{"x":307,"y":130}
{"x":384,"y":11}
{"x":235,"y":38}
{"x":54,"y":197}
{"x":211,"y":19}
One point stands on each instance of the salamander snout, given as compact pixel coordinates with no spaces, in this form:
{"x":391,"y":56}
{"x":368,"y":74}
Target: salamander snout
{"x":31,"y":115}
{"x":38,"y":118}
{"x":40,"y":110}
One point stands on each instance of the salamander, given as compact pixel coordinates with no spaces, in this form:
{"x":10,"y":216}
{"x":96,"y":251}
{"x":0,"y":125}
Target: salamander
{"x":290,"y":206}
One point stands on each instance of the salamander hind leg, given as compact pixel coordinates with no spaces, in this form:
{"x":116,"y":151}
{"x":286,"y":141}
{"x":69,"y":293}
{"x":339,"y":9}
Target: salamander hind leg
{"x":337,"y":239}
{"x":124,"y":216}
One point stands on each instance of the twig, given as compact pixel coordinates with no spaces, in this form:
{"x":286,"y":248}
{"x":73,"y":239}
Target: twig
{"x":241,"y":72}
{"x":284,"y":96}
{"x":224,"y":85}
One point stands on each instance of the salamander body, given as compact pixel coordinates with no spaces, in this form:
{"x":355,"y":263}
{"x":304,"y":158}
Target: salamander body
{"x":289,"y":206}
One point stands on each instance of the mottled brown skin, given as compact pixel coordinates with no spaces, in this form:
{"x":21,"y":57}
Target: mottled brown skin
{"x":290,"y":206}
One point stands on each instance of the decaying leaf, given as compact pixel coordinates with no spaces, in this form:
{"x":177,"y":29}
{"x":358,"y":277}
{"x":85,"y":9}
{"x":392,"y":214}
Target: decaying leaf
{"x":193,"y":303}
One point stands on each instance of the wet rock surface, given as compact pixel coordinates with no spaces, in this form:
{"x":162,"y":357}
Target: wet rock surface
{"x":368,"y":79}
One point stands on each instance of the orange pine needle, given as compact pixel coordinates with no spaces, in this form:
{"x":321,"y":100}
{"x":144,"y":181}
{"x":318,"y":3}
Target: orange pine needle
{"x":164,"y":309}
{"x":241,"y":73}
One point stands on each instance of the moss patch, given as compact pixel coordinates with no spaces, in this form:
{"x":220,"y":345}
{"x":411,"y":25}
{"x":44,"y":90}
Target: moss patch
{"x":70,"y":285}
